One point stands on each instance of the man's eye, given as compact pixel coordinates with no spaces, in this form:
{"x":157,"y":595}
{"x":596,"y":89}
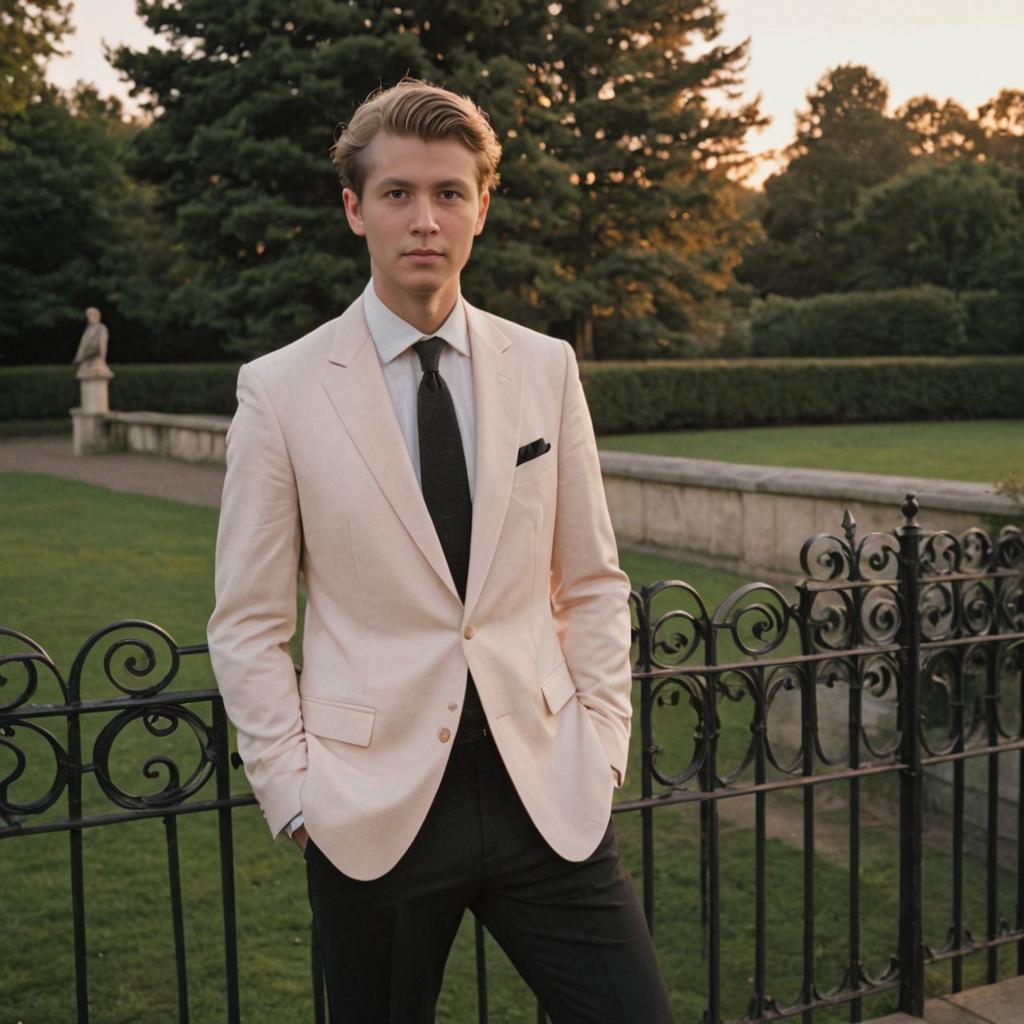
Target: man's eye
{"x":396,"y":193}
{"x":449,"y":194}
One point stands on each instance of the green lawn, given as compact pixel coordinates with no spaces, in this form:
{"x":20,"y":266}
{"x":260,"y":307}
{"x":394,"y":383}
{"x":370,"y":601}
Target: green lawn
{"x":77,"y":557}
{"x":981,"y":450}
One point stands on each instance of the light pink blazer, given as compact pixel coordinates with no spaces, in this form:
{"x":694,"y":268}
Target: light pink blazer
{"x":319,"y":482}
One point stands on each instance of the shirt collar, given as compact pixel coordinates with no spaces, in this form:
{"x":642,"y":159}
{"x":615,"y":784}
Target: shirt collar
{"x":392,"y":335}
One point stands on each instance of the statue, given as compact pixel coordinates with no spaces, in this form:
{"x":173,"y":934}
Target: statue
{"x":90,"y":418}
{"x":91,"y":357}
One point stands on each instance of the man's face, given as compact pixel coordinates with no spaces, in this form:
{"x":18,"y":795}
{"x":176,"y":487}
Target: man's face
{"x":420,"y":210}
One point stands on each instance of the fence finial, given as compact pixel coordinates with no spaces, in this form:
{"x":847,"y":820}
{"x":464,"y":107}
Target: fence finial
{"x":909,"y":509}
{"x":849,"y":526}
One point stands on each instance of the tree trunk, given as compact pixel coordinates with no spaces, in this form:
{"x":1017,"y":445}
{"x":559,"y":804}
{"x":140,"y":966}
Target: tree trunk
{"x":583,"y":343}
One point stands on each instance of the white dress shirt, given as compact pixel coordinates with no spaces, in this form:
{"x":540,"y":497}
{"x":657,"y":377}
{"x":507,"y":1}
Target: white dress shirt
{"x":393,"y":338}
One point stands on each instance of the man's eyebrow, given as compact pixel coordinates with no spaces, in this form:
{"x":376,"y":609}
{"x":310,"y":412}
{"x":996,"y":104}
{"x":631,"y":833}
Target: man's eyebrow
{"x":449,"y":183}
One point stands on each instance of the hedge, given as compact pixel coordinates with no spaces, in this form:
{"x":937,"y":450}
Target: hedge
{"x":627,"y":397}
{"x":995,"y":322}
{"x":903,"y":322}
{"x":48,"y":392}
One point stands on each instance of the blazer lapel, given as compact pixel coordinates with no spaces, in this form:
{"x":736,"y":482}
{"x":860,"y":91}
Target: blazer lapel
{"x":356,"y":388}
{"x":498,"y":391}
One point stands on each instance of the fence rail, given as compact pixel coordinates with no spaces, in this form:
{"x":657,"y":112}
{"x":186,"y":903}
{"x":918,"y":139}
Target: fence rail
{"x":898,"y":654}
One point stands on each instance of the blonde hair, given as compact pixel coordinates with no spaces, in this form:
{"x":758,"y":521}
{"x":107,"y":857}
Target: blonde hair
{"x":426,"y":111}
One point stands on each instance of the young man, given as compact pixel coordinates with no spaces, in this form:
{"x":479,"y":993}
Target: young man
{"x":464,"y":707}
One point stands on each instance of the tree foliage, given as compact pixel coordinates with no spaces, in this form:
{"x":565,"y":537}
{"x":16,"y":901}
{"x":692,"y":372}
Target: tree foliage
{"x":77,"y":231}
{"x":616,"y":169}
{"x":844,"y":144}
{"x":611,"y":208}
{"x":30,"y":33}
{"x":1002,"y":122}
{"x":931,"y":194}
{"x":940,"y":130}
{"x":61,"y":181}
{"x":951,"y":224}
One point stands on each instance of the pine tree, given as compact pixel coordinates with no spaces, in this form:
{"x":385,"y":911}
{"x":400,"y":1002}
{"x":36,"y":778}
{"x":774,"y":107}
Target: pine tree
{"x":616,"y":162}
{"x":613,"y":155}
{"x":245,"y":103}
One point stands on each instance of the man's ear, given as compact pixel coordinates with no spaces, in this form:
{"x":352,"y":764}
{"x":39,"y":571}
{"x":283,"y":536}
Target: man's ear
{"x":354,"y":211}
{"x":485,"y":203}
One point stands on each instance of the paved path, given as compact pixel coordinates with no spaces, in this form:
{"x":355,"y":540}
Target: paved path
{"x":130,"y":472}
{"x":994,"y":1004}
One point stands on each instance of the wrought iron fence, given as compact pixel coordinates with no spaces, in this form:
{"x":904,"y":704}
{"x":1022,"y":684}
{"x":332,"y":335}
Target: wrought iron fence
{"x":899,"y":652}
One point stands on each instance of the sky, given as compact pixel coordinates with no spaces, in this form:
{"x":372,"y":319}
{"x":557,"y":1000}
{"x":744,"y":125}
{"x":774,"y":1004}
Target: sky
{"x":946,"y":48}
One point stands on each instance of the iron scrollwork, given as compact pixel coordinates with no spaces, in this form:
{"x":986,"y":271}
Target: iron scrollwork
{"x":11,"y":809}
{"x":141,"y":666}
{"x":160,"y":721}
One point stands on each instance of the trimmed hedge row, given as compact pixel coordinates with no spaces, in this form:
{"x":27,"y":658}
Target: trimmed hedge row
{"x":48,"y":392}
{"x":923,"y":321}
{"x":995,"y":322}
{"x":627,"y":397}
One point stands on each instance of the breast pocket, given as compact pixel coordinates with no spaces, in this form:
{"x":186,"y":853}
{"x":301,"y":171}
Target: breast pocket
{"x":535,"y":468}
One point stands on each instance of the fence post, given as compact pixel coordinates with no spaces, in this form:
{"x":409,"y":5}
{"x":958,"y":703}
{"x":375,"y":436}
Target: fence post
{"x":911,"y":953}
{"x":642,"y":670}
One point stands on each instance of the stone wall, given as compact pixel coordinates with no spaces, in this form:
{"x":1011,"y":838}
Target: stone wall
{"x":755,"y":519}
{"x":190,"y":438}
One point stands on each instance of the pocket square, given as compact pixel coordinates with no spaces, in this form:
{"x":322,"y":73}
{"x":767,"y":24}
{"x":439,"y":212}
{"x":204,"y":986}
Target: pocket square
{"x":532,"y":450}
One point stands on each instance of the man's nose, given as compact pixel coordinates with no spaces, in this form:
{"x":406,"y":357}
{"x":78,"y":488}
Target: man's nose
{"x":423,"y":219}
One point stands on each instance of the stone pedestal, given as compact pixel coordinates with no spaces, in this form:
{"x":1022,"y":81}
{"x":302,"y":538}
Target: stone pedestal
{"x":95,"y":389}
{"x":90,"y":432}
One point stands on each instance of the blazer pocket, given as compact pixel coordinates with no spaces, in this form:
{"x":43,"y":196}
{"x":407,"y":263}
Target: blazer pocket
{"x":535,"y":467}
{"x":349,"y":723}
{"x":558,"y":688}
{"x":533,"y":450}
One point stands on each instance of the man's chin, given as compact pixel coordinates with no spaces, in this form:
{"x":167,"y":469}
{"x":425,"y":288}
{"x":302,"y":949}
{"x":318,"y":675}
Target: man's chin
{"x":427,"y":283}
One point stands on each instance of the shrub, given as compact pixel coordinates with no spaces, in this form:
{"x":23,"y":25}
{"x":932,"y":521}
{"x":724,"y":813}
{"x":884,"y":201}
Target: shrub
{"x":48,"y":392}
{"x":37,"y":392}
{"x":922,"y":321}
{"x":995,"y":322}
{"x":626,"y":397}
{"x":637,"y":397}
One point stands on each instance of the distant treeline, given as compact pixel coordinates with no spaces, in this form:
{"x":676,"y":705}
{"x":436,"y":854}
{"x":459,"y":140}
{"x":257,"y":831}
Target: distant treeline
{"x":211,"y":227}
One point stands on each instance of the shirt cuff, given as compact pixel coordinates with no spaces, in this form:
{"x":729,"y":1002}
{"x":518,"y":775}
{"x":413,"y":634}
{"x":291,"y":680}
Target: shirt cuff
{"x":295,"y":824}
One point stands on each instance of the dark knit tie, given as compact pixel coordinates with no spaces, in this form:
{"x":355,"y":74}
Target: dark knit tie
{"x":445,"y":486}
{"x":443,"y":464}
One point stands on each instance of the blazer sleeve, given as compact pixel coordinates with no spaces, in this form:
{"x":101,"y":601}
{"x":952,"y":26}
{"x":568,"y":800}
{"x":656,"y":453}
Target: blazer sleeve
{"x":259,"y":541}
{"x":589,"y":592}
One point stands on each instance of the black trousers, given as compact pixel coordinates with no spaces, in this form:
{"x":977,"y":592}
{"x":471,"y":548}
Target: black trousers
{"x":574,"y":931}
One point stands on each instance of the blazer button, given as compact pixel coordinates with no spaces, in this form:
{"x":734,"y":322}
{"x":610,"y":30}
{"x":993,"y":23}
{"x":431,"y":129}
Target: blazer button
{"x":444,"y":735}
{"x":469,"y":632}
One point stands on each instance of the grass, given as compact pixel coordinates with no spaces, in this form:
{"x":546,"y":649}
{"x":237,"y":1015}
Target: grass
{"x":78,"y":557}
{"x":980,"y":450}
